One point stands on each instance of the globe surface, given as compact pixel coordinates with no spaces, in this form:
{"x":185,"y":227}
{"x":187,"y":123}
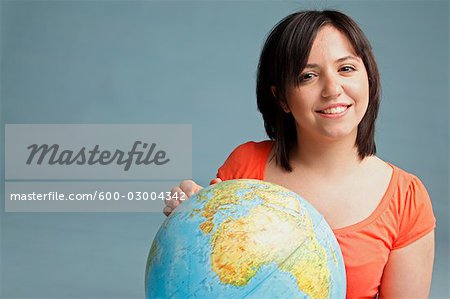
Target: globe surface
{"x":245,"y":239}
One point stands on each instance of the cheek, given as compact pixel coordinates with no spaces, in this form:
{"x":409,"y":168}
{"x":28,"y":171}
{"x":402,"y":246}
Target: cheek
{"x":298,"y":107}
{"x":301,"y":99}
{"x":361,"y":96}
{"x":363,"y":108}
{"x":365,"y":95}
{"x":359,"y":91}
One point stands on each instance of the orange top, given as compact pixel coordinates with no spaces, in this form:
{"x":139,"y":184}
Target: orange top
{"x":403,"y":215}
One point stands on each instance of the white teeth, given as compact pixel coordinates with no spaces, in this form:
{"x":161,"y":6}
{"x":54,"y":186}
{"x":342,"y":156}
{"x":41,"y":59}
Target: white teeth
{"x":334,"y":110}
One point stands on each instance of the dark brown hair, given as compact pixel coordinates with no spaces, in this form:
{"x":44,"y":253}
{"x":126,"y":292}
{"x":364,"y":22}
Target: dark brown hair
{"x":284,"y":56}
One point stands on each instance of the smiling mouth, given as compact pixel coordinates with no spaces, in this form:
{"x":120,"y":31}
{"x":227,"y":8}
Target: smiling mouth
{"x":334,"y":110}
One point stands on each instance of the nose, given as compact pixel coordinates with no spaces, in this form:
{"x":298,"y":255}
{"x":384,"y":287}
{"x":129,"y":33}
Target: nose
{"x":332,"y":88}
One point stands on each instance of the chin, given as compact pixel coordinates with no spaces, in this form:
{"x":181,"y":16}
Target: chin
{"x":339,"y":134}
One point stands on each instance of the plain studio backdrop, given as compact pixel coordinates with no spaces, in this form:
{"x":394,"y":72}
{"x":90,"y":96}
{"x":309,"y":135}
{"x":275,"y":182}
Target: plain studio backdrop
{"x":123,"y":62}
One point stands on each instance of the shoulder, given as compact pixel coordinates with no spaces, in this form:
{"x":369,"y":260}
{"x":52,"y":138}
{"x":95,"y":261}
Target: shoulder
{"x":407,"y":187}
{"x":406,"y":182}
{"x":412,"y":207}
{"x":246,"y":161}
{"x":252,"y":147}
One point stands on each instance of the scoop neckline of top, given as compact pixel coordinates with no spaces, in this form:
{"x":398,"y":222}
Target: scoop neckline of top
{"x":375,"y":213}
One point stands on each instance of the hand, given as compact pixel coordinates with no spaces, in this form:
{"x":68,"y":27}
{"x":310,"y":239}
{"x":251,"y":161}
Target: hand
{"x":182,"y":192}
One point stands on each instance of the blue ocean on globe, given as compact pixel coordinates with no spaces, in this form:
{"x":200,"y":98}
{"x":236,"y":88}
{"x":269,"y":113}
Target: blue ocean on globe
{"x":245,"y":239}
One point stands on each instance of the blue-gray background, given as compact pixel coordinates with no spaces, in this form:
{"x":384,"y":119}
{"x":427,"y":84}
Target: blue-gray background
{"x":191,"y":62}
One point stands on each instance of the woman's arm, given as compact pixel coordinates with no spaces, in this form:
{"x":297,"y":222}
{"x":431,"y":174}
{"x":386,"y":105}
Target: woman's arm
{"x":409,"y":269}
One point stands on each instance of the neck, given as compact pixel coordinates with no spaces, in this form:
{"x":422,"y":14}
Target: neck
{"x":326,"y":157}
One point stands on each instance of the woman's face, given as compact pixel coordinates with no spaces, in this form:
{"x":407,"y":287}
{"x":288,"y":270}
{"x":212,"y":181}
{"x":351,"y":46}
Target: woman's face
{"x":333,"y":94}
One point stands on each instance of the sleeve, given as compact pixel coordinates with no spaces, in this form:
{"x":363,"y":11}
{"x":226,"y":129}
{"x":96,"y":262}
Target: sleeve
{"x":417,"y":216}
{"x":242,"y":163}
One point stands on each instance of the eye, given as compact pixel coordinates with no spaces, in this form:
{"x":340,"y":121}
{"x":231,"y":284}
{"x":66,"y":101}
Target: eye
{"x":306,"y":77}
{"x":347,"y":69}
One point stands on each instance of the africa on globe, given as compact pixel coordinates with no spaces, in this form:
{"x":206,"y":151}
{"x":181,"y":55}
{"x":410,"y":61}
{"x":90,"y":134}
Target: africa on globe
{"x":245,"y":239}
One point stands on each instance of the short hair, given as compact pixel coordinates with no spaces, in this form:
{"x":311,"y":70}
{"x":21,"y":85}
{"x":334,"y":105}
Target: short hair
{"x":285,"y":54}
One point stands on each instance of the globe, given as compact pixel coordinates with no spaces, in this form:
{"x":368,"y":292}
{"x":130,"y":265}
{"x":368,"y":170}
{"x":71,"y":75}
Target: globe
{"x":245,"y":239}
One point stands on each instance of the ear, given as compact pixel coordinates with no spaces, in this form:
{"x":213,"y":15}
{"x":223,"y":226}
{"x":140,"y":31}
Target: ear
{"x":282,"y":103}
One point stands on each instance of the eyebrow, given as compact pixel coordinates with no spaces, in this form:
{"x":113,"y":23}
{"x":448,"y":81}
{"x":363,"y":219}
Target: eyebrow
{"x":349,"y":57}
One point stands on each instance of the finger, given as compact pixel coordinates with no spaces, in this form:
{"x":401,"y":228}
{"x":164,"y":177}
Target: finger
{"x":175,"y":193}
{"x":173,"y":200}
{"x":189,"y":187}
{"x":216,"y":180}
{"x":167,"y":211}
{"x":178,"y":195}
{"x":182,"y":196}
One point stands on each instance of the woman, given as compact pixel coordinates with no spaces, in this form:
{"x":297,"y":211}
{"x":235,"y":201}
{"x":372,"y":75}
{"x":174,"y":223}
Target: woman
{"x":318,"y":90}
